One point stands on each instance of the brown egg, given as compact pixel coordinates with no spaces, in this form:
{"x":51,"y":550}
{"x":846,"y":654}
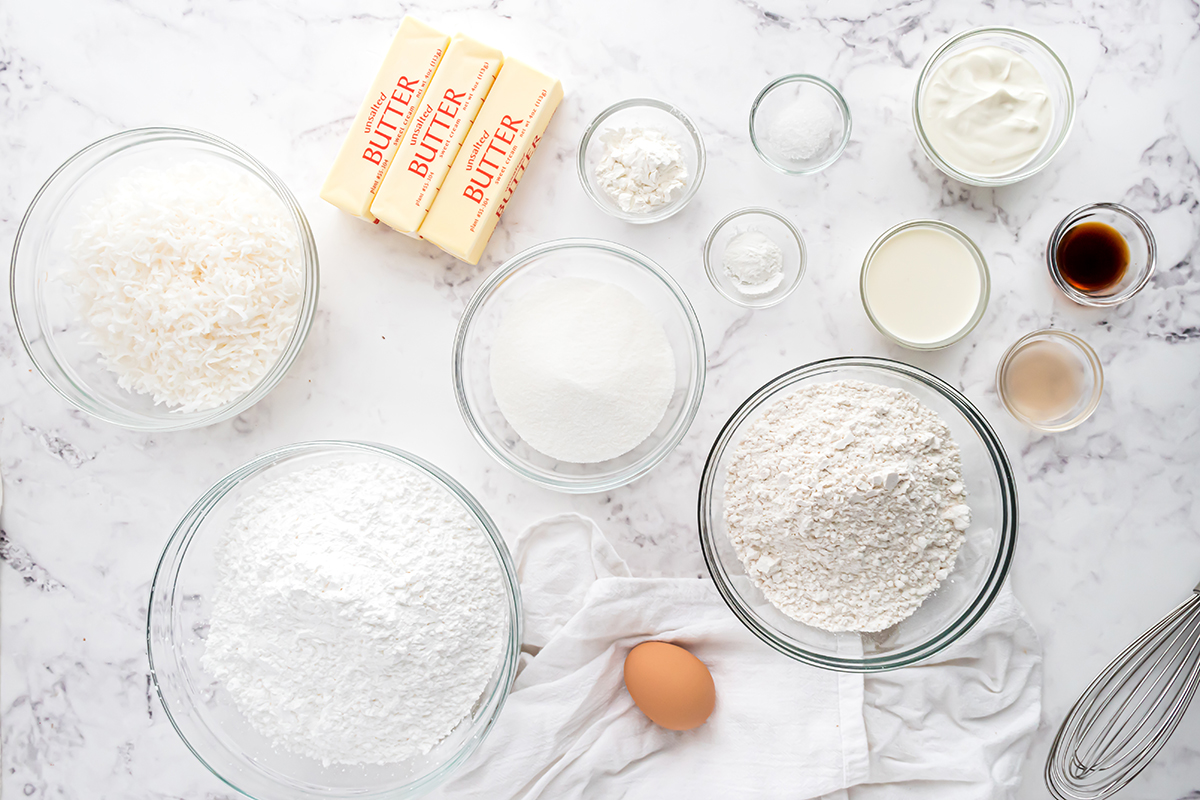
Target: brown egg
{"x":670,"y":685}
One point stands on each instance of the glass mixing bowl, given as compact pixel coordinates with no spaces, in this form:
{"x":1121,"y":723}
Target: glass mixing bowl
{"x":1048,"y":65}
{"x":957,"y":604}
{"x":576,"y":258}
{"x":45,"y":311}
{"x":204,"y":714}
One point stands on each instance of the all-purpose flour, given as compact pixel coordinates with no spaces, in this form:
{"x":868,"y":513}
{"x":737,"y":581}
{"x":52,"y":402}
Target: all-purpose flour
{"x":359,"y":613}
{"x":846,"y":505}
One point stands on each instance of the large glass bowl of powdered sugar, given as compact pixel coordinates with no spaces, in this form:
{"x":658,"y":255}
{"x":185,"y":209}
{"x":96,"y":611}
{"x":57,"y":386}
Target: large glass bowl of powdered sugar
{"x":858,"y":514}
{"x":579,"y":365}
{"x":334,"y":619}
{"x":163,"y":279}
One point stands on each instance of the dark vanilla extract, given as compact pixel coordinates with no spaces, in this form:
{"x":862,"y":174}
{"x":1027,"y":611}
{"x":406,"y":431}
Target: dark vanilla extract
{"x":1092,"y":257}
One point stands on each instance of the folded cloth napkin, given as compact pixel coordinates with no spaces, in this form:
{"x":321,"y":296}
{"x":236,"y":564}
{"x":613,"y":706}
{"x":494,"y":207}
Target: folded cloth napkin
{"x":955,"y":727}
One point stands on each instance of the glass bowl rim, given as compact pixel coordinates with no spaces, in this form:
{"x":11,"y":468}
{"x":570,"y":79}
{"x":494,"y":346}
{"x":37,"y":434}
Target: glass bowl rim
{"x":1069,"y":222}
{"x":1001,"y":562}
{"x":985,"y":282}
{"x":710,"y":271}
{"x":1022,"y":172}
{"x":802,"y":77}
{"x":181,"y":538}
{"x":1090,"y":356}
{"x":689,"y":191}
{"x":579,"y":485}
{"x":308,"y":302}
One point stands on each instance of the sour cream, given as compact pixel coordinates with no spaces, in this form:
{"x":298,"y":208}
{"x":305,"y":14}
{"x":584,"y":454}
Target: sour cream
{"x":986,"y":111}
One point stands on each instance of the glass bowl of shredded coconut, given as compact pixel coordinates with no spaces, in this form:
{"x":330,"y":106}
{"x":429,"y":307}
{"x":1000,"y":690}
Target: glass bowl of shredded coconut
{"x":800,"y":124}
{"x":579,"y":365}
{"x":755,"y":257}
{"x":641,"y":160}
{"x":858,"y":514}
{"x":334,"y":619}
{"x":163,"y":279}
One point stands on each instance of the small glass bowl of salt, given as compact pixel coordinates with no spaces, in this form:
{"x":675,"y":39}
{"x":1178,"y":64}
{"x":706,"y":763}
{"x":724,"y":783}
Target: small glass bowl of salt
{"x":755,"y":257}
{"x":799,"y":124}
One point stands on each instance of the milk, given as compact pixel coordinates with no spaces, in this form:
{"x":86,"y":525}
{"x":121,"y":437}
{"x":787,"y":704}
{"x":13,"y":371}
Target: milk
{"x":922,"y":286}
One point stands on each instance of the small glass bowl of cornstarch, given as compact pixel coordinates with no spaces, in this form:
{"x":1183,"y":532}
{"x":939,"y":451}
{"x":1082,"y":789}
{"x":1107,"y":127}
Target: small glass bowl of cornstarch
{"x":641,"y":160}
{"x":755,"y":257}
{"x":334,"y":619}
{"x":800,"y":124}
{"x":858,"y":514}
{"x":163,"y":279}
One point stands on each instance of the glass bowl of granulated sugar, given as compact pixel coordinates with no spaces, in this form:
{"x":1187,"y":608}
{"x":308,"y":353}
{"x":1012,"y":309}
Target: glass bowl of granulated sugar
{"x":579,"y":365}
{"x":858,"y":514}
{"x":334,"y":619}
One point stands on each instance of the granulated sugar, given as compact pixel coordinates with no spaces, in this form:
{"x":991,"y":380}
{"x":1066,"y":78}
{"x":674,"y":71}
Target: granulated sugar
{"x":582,"y":370}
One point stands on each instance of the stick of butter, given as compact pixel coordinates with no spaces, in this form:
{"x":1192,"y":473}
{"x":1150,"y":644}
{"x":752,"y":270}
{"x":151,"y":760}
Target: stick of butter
{"x":492,"y":160}
{"x":397,"y":91}
{"x":437,"y":131}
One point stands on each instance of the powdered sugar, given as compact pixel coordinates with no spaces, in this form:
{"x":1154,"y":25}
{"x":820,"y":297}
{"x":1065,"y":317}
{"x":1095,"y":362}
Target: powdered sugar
{"x":846,"y":505}
{"x":359,"y":613}
{"x":642,"y":168}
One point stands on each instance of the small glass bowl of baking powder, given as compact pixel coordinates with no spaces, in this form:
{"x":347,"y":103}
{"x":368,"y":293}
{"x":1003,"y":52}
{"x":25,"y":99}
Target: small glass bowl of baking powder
{"x":755,"y":257}
{"x":800,"y":124}
{"x":202,"y":710}
{"x":644,"y":116}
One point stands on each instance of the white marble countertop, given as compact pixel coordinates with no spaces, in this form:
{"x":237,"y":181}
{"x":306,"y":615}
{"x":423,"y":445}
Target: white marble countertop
{"x":1110,"y":533}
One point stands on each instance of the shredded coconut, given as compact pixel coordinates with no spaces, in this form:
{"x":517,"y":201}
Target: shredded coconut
{"x":753,"y":262}
{"x":359,"y":613}
{"x":642,"y":168}
{"x":189,"y":279}
{"x":582,"y":370}
{"x":845,"y":503}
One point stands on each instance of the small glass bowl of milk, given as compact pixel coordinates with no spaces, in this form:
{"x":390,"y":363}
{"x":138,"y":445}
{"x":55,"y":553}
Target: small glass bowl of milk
{"x":924,"y":284}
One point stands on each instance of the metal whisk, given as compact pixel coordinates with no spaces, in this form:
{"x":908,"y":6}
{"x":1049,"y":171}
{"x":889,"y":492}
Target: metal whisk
{"x":1128,"y":713}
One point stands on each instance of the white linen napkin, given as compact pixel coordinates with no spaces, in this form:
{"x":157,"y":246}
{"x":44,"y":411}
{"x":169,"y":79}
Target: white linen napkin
{"x":955,"y":727}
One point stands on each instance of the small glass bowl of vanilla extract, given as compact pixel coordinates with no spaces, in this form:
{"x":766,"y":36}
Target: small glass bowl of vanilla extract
{"x":1101,"y":254}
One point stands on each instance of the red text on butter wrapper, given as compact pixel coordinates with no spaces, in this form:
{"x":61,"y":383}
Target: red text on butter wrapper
{"x":506,"y":132}
{"x":402,"y":95}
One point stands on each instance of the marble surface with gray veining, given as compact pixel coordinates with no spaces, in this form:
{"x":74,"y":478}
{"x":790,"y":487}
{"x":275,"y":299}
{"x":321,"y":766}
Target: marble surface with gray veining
{"x":1110,"y":531}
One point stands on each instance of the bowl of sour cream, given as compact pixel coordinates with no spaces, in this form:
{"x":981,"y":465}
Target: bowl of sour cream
{"x":993,"y":106}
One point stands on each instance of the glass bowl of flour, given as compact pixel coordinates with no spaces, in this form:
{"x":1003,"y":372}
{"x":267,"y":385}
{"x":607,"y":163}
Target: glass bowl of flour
{"x":641,"y":160}
{"x":828,"y":577}
{"x":334,"y":619}
{"x":579,"y":365}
